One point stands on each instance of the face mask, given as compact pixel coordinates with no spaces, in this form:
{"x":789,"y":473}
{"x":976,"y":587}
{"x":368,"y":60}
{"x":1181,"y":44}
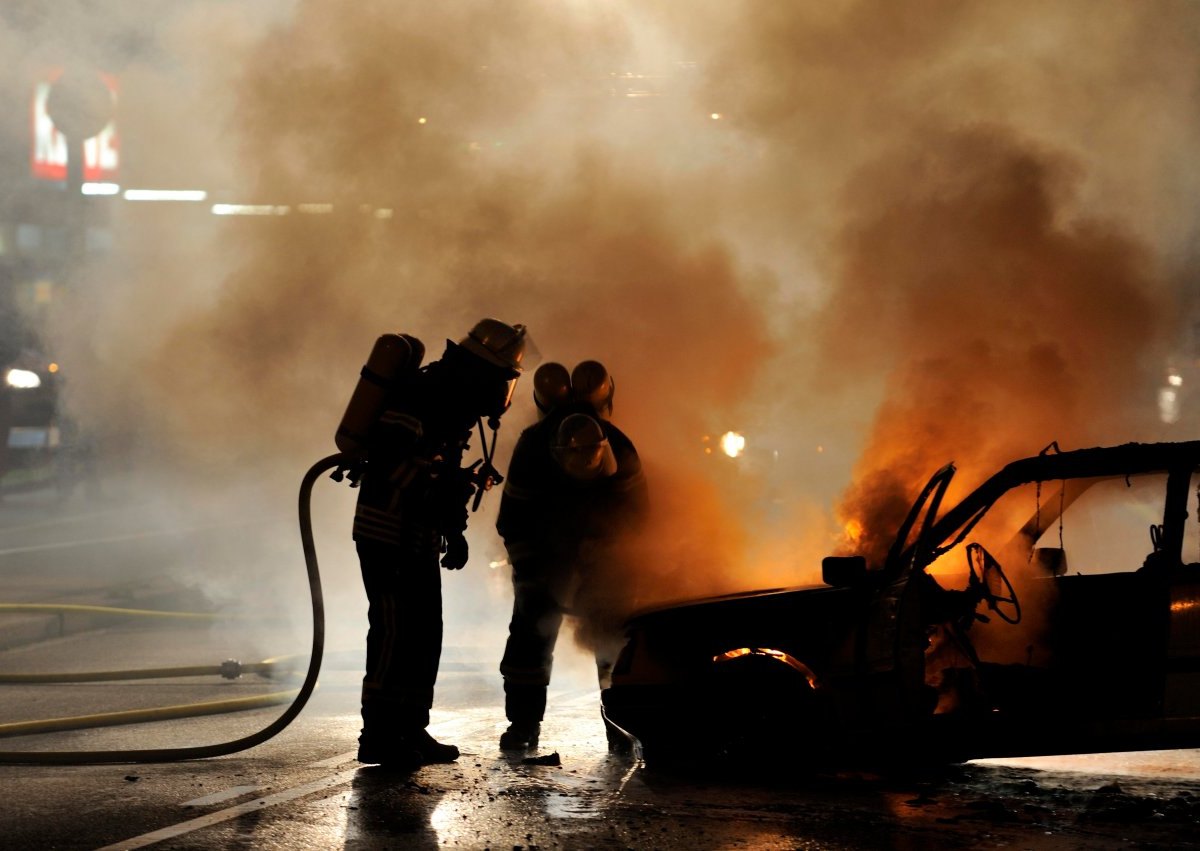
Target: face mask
{"x":496,"y":397}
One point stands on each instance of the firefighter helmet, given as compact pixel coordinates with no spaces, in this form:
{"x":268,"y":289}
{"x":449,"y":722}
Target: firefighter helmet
{"x":551,"y":387}
{"x":592,"y":384}
{"x":582,"y":450}
{"x":497,"y":343}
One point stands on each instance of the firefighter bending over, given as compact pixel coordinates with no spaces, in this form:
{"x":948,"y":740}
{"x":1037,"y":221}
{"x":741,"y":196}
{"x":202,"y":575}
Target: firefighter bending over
{"x":575,"y":483}
{"x":411,"y":511}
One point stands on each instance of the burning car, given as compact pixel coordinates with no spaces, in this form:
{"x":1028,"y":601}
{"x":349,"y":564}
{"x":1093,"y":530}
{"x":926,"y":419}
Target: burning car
{"x":1053,"y":609}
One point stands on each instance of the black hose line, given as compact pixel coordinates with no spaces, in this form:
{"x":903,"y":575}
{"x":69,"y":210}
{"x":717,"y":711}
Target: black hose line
{"x":277,"y":726}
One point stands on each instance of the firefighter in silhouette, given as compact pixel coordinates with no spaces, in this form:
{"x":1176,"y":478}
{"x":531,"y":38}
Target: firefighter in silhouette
{"x":575,"y":482}
{"x":412,"y":511}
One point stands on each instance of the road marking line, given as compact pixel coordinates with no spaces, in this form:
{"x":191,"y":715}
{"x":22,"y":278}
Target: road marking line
{"x":65,"y":519}
{"x":255,"y":806}
{"x":218,"y":797}
{"x":132,"y":536}
{"x":334,"y":760}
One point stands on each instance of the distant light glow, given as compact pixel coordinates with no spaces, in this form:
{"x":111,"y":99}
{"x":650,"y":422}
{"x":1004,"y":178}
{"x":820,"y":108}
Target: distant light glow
{"x":716,"y":116}
{"x":22,"y":379}
{"x":250,"y":210}
{"x":1175,"y":379}
{"x":1168,"y":405}
{"x":384,"y":213}
{"x":315,"y":208}
{"x":100,"y":189}
{"x":52,"y":368}
{"x":421,"y":120}
{"x":733,"y":444}
{"x":165,"y":195}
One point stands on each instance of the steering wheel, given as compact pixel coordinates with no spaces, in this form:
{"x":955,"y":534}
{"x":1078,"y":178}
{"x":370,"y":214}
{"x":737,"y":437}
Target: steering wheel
{"x":992,"y":585}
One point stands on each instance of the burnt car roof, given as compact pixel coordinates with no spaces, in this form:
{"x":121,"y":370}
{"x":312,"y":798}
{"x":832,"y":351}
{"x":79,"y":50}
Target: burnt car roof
{"x":1129,"y":459}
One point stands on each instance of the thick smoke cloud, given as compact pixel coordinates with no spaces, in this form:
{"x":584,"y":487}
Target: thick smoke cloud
{"x":1017,"y":329}
{"x":1005,"y":245}
{"x":937,"y":231}
{"x":489,"y":206}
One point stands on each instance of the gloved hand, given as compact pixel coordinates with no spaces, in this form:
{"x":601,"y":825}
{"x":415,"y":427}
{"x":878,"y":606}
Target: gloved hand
{"x":456,"y":552}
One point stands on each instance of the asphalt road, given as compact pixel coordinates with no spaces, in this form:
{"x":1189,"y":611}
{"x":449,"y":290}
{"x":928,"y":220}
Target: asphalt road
{"x":304,"y":789}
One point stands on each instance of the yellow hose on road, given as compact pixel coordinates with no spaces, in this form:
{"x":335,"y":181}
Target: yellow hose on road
{"x":141,"y":716}
{"x":60,"y":608}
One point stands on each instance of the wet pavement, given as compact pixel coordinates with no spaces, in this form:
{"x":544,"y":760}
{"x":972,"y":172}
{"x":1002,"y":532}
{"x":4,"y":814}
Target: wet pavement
{"x":304,"y":788}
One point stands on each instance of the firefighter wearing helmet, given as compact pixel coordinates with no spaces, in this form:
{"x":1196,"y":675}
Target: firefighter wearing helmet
{"x":575,"y":483}
{"x":551,"y":387}
{"x":412,"y":513}
{"x":591,"y":383}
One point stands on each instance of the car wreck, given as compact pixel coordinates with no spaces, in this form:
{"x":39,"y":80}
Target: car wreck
{"x":1053,"y":609}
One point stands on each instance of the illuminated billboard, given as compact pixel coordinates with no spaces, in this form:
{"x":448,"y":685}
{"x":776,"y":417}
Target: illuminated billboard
{"x":48,"y":155}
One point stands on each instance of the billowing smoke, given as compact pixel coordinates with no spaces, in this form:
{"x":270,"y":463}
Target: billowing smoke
{"x":1002,"y":326}
{"x":478,"y":163}
{"x":1005,"y":245}
{"x":942,"y":231}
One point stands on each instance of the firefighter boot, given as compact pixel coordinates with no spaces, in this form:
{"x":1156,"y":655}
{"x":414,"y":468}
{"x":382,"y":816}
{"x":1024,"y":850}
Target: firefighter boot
{"x":430,"y":749}
{"x":394,"y":755}
{"x":520,"y":736}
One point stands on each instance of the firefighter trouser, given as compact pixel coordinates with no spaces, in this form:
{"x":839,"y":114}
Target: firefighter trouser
{"x":404,"y":637}
{"x":529,"y":654}
{"x":532,"y":633}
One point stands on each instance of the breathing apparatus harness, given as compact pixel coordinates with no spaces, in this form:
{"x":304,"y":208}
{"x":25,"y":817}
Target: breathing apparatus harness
{"x":483,"y":474}
{"x":393,"y":356}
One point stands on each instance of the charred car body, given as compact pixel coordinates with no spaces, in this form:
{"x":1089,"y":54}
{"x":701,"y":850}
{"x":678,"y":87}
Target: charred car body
{"x":888,"y":661}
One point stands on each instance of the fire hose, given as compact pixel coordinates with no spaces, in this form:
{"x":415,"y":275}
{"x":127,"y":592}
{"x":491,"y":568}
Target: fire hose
{"x":230,"y":669}
{"x":298,"y":701}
